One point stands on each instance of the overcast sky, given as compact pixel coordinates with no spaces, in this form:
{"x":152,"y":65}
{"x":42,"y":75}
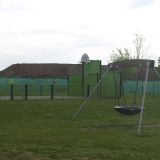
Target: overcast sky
{"x":60,"y":31}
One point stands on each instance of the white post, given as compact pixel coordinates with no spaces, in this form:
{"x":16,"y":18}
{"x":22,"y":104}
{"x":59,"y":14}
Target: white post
{"x":143,"y":99}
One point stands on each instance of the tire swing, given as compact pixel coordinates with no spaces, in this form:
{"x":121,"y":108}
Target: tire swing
{"x":133,"y":109}
{"x":128,"y":110}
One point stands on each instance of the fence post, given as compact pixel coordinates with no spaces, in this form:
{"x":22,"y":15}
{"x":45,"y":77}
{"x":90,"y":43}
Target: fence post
{"x":52,"y":91}
{"x":26,"y":92}
{"x":88,"y":87}
{"x":11,"y":92}
{"x":41,"y":86}
{"x":68,"y":89}
{"x":153,"y":89}
{"x":83,"y":93}
{"x":120,"y":84}
{"x":68,"y":86}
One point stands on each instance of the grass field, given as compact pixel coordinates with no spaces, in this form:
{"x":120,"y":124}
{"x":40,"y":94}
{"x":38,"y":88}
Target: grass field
{"x":43,"y":130}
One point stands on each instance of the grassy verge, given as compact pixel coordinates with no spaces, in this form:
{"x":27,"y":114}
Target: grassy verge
{"x":44,"y":130}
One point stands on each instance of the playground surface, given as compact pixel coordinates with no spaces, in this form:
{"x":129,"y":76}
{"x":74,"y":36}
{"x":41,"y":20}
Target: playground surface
{"x":43,"y":130}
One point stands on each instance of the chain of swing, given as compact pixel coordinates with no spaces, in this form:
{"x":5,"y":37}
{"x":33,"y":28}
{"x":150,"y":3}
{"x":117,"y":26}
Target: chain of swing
{"x":119,"y":92}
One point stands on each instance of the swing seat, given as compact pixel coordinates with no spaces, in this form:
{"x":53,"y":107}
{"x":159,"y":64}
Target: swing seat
{"x":128,"y":110}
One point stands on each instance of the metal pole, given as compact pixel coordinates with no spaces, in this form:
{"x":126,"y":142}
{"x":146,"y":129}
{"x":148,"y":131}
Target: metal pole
{"x":11,"y":92}
{"x":82,"y":79}
{"x":143,"y":99}
{"x":52,"y":91}
{"x":26,"y":92}
{"x":86,"y":100}
{"x":158,"y":75}
{"x":116,"y":89}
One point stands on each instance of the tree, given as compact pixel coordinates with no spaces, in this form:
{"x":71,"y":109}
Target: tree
{"x":126,"y":54}
{"x":138,"y":42}
{"x":120,"y":55}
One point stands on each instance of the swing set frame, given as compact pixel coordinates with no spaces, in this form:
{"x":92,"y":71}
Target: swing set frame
{"x":129,"y":110}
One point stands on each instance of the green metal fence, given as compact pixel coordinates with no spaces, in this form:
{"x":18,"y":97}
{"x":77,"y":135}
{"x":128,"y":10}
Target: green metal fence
{"x":106,"y":90}
{"x":153,"y":87}
{"x":23,"y":81}
{"x":51,"y":91}
{"x":83,"y":84}
{"x":93,"y":67}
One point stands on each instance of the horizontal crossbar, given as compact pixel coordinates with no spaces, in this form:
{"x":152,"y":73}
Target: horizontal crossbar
{"x":132,"y":63}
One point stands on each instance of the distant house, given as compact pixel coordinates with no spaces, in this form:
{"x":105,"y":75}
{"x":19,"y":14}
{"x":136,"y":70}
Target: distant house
{"x":42,"y":70}
{"x":56,"y":70}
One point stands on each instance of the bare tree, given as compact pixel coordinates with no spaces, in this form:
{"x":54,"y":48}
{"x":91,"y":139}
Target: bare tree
{"x":139,"y":44}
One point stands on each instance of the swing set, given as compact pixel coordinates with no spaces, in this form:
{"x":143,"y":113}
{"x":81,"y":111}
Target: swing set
{"x":126,"y":109}
{"x":133,"y":108}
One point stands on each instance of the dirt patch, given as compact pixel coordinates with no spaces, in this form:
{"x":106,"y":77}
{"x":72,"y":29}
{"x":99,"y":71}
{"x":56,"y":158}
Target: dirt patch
{"x":123,"y":126}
